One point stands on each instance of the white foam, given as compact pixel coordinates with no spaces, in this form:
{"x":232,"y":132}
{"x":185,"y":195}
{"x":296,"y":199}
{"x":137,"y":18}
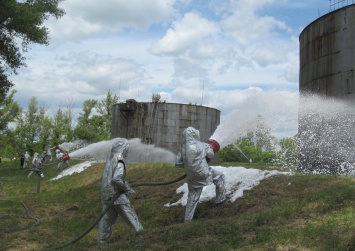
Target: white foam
{"x":238,"y":180}
{"x":74,"y":169}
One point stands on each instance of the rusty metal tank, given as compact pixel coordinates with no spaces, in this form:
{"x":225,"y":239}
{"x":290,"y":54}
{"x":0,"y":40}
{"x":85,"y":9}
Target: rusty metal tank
{"x":161,"y":123}
{"x":327,"y":93}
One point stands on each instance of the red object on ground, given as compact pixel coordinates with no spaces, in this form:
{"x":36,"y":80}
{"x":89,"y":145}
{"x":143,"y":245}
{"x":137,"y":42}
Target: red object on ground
{"x":214,"y":144}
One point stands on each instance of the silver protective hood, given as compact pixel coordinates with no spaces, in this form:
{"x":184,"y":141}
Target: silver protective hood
{"x":113,"y":178}
{"x":192,"y":156}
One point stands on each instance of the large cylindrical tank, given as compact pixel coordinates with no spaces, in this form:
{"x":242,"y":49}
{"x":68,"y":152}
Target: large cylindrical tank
{"x":327,"y":93}
{"x":162,"y":123}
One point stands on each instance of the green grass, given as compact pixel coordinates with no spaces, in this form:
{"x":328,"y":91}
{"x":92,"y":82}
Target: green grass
{"x":296,"y":212}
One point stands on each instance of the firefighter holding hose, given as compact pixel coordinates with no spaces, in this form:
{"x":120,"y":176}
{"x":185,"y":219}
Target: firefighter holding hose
{"x":113,"y":185}
{"x":62,"y":159}
{"x":193,"y":156}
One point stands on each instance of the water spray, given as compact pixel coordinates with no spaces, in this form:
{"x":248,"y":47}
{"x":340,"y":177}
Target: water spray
{"x":240,"y":150}
{"x":216,"y":147}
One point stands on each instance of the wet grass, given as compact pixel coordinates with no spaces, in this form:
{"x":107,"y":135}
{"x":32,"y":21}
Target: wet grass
{"x":296,"y":212}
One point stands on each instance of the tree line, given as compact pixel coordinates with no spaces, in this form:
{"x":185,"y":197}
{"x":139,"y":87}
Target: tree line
{"x":34,"y":129}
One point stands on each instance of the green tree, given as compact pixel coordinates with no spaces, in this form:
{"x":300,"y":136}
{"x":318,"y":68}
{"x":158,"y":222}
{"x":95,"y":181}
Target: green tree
{"x":85,"y":128}
{"x":9,"y":111}
{"x":230,"y":153}
{"x":10,"y":144}
{"x":244,"y":150}
{"x":92,"y":126}
{"x":104,"y":108}
{"x":258,"y":145}
{"x":28,"y":125}
{"x":156,"y":97}
{"x":62,"y":130}
{"x":21,"y":23}
{"x":100,"y":129}
{"x":44,"y":129}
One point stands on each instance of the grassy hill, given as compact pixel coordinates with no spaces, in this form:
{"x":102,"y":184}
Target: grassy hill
{"x":297,"y":212}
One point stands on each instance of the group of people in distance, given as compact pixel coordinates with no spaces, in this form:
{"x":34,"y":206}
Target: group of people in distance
{"x":45,"y":158}
{"x":192,"y":156}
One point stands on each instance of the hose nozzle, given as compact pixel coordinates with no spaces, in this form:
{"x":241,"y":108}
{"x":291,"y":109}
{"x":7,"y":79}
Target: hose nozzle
{"x":214,"y":144}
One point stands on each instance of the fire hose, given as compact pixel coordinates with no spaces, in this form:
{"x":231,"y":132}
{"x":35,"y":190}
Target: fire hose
{"x":215,"y":147}
{"x":114,"y":198}
{"x":36,"y":223}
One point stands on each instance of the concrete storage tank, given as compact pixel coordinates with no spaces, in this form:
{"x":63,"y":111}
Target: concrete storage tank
{"x":161,"y":123}
{"x":327,"y":93}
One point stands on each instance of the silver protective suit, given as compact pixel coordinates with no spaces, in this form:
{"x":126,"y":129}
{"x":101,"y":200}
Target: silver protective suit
{"x":192,"y":156}
{"x":113,"y":182}
{"x":27,"y":158}
{"x":36,"y":165}
{"x":49,"y":153}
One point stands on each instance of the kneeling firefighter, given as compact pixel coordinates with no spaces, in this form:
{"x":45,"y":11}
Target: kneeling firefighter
{"x":193,"y":157}
{"x":113,"y":183}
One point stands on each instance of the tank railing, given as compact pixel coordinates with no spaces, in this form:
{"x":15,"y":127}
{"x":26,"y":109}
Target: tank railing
{"x":337,"y":4}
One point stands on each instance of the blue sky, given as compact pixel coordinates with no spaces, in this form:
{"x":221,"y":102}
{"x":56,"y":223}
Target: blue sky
{"x":217,"y":53}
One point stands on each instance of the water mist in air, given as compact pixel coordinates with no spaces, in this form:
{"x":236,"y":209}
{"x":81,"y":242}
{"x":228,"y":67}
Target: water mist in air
{"x":279,"y":111}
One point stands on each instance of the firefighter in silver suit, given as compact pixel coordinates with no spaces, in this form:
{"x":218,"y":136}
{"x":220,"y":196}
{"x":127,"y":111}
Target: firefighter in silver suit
{"x":192,"y":156}
{"x":113,"y":182}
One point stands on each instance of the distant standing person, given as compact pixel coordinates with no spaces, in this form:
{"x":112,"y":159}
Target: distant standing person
{"x":36,"y":166}
{"x":49,"y":154}
{"x":43,"y":156}
{"x":192,"y":156}
{"x":26,"y":159}
{"x":113,"y":182}
{"x":22,"y":159}
{"x":58,"y":155}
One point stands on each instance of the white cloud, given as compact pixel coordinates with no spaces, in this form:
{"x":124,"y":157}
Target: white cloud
{"x":118,"y":14}
{"x":184,"y":34}
{"x":104,"y":72}
{"x":246,"y":26}
{"x":85,"y":19}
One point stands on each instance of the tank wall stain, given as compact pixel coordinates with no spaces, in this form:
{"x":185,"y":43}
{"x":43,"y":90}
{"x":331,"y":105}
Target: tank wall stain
{"x":161,"y":123}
